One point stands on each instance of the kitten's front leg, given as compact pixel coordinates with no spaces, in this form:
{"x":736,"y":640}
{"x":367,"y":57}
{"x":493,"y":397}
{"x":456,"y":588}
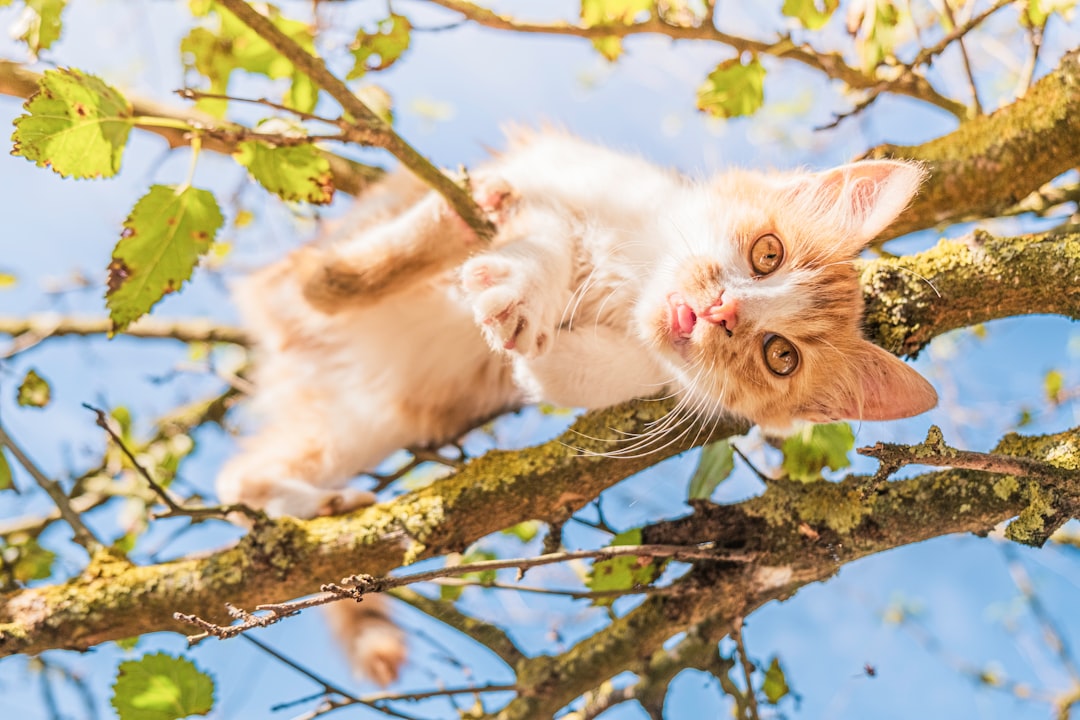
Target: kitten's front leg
{"x":520,"y":291}
{"x":424,"y":240}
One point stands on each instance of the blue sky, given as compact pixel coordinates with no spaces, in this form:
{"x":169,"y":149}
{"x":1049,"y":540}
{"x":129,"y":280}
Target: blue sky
{"x":452,"y":93}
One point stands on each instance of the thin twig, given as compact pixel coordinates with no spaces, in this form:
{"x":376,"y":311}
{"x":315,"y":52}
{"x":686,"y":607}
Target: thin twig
{"x":82,"y":533}
{"x":965,"y":58}
{"x":747,"y":668}
{"x":196,"y":95}
{"x":175,"y":509}
{"x":366,"y":126}
{"x":831,"y":64}
{"x":356,"y":586}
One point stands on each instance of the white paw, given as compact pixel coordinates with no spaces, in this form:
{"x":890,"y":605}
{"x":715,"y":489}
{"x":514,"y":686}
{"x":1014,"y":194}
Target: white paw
{"x":507,"y":307}
{"x":495,"y":196}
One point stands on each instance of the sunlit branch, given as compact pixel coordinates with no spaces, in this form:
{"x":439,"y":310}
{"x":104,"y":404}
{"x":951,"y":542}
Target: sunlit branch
{"x":349,"y":176}
{"x":831,"y":64}
{"x":367,"y":126}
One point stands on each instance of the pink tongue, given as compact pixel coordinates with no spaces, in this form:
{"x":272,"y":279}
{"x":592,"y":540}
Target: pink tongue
{"x":686,"y":318}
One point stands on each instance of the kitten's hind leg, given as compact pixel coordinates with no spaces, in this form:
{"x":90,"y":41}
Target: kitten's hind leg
{"x":424,"y":240}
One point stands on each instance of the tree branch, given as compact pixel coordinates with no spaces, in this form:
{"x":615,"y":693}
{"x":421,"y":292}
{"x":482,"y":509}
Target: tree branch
{"x":370,"y":128}
{"x":31,"y":330}
{"x":280,"y":559}
{"x":994,"y":161}
{"x":959,"y":283}
{"x":831,"y":64}
{"x":349,"y":176}
{"x":848,"y":528}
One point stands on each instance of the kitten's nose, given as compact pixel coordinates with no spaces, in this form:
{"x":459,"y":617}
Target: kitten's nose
{"x":722,"y":312}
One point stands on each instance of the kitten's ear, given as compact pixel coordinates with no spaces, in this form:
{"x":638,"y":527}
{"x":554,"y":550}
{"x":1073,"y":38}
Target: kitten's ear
{"x":863,"y":197}
{"x":885,"y":388}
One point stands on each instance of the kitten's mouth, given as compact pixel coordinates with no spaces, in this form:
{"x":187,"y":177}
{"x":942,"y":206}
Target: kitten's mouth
{"x":681,"y":319}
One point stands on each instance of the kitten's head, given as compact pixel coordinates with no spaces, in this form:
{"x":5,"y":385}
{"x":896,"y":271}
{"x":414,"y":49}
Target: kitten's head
{"x":758,"y":310}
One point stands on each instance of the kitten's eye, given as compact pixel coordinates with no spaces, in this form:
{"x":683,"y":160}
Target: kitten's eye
{"x":780,"y":355}
{"x":766,"y":254}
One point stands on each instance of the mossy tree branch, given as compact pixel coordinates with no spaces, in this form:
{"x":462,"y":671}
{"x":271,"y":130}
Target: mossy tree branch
{"x":113,"y":599}
{"x":994,"y":161}
{"x":846,"y":528}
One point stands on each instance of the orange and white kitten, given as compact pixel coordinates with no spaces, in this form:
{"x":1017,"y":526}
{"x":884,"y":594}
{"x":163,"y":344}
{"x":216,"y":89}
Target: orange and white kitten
{"x":609,"y":279}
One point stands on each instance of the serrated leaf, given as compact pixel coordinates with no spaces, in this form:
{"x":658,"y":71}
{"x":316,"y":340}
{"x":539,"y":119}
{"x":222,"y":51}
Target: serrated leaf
{"x":714,"y":466}
{"x":813,"y":14}
{"x":610,"y":12}
{"x":77,"y":125}
{"x":163,"y":238}
{"x":624,"y":572}
{"x":299,"y":172}
{"x":34,"y":391}
{"x":161,"y":687}
{"x":775,"y":685}
{"x":7,"y":480}
{"x":816,"y":447}
{"x":733,"y":89}
{"x":40,"y":25}
{"x":1053,"y":384}
{"x":380,"y":49}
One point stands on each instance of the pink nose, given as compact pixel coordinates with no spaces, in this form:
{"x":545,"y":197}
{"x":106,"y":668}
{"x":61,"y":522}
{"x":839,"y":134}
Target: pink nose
{"x":722,"y":312}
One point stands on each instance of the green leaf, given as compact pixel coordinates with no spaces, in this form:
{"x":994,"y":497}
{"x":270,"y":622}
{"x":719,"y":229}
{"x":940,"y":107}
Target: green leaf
{"x":816,"y":447}
{"x":128,"y":643}
{"x":77,"y":125}
{"x":875,"y":31}
{"x":41,"y":26}
{"x":610,"y":47}
{"x":161,"y":687}
{"x":7,"y":480}
{"x":299,"y":172}
{"x":25,"y":559}
{"x":380,"y":49}
{"x":714,"y":466}
{"x":1037,"y":12}
{"x":613,"y":12}
{"x":733,"y":89}
{"x":34,"y":391}
{"x":227,"y":45}
{"x":624,"y":572}
{"x":524,"y":531}
{"x":813,"y":14}
{"x":163,"y":238}
{"x":1054,"y":384}
{"x":610,"y":12}
{"x":775,"y":685}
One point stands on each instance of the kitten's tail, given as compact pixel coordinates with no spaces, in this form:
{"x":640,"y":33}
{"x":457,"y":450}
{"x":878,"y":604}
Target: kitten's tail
{"x":373,"y":643}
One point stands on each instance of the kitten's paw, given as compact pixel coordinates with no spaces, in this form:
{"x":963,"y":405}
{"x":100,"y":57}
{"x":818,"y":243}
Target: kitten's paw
{"x":506,"y":308}
{"x":495,"y":196}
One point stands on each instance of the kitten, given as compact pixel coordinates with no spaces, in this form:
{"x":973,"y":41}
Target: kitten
{"x":608,"y":279}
